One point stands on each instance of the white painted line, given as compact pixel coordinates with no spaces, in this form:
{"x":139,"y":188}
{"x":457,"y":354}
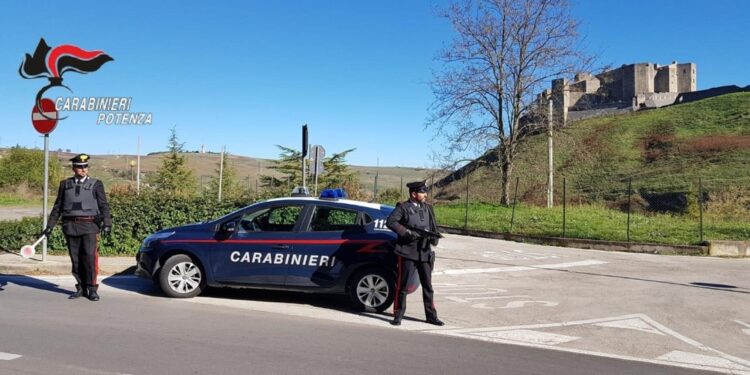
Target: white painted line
{"x":700,"y":359}
{"x":480,"y":333}
{"x":532,"y":337}
{"x":745,"y":331}
{"x":589,"y":262}
{"x":8,"y":356}
{"x":592,"y":353}
{"x":634,"y":323}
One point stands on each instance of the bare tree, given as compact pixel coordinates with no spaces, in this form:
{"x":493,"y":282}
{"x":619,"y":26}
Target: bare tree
{"x":504,"y":53}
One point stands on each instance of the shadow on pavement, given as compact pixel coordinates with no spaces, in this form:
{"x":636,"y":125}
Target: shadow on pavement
{"x":125,"y":280}
{"x":31,"y":282}
{"x":326,"y":301}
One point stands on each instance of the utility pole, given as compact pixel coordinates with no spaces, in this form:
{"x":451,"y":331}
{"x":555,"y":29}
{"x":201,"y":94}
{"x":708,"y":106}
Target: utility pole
{"x":138,"y":169}
{"x":550,"y":161}
{"x":221,"y":170}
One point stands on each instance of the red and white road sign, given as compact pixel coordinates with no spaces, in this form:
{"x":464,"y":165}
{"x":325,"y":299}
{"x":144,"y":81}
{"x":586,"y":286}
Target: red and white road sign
{"x":44,"y":124}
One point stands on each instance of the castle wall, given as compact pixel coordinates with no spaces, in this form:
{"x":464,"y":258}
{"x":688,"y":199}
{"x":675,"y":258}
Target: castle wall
{"x":640,"y":85}
{"x":666,"y":79}
{"x":686,"y":77}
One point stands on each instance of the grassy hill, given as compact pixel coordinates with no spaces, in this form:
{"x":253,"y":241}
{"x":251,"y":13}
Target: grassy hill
{"x":673,"y":155}
{"x":662,"y":150}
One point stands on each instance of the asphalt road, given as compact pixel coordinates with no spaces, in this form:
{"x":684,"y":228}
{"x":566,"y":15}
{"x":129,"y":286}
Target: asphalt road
{"x":509,"y":308}
{"x":137,"y":333}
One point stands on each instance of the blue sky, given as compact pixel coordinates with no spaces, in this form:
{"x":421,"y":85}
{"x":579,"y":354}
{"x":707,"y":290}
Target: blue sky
{"x":247,"y":75}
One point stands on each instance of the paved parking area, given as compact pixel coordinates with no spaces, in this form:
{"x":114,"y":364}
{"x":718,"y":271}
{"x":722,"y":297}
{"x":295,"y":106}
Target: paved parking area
{"x":677,"y":310}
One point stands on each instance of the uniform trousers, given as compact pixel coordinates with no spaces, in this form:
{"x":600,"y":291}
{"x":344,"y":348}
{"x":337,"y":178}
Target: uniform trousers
{"x":84,"y":256}
{"x":406,"y":268}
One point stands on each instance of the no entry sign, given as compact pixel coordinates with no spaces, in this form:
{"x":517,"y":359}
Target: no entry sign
{"x":46,"y":123}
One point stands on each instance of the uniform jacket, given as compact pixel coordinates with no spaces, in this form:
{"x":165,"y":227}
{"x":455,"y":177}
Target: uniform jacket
{"x":71,"y":227}
{"x":401,"y":215}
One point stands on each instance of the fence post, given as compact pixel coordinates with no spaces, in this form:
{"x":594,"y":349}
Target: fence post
{"x":565,"y":203}
{"x":700,"y":204}
{"x":630,"y":193}
{"x":513,"y":212}
{"x":466,"y":212}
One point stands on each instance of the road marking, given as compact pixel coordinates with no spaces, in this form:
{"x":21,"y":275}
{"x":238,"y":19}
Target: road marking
{"x":700,"y":359}
{"x":745,"y":331}
{"x":634,"y":323}
{"x":472,"y":291}
{"x":589,"y":262}
{"x":716,"y":361}
{"x":9,"y":356}
{"x":533,"y":337}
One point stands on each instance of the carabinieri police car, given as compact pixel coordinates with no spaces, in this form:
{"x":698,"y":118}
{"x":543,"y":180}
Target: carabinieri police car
{"x":327,"y":245}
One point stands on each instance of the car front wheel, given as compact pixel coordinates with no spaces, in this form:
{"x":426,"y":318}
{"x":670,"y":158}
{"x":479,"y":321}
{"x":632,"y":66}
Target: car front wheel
{"x":181,"y":277}
{"x":371,"y":290}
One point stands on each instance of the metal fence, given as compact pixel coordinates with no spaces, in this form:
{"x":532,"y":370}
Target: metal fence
{"x":655,"y":210}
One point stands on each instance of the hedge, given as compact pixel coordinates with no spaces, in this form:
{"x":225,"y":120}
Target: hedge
{"x":134,"y":217}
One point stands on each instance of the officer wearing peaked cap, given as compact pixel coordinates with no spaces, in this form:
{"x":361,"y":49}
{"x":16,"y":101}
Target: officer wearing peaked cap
{"x":82,"y":205}
{"x":414,"y":253}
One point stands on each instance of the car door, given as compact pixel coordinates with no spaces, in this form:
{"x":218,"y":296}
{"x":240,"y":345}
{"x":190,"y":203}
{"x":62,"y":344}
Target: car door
{"x":257,"y":248}
{"x":325,"y":244}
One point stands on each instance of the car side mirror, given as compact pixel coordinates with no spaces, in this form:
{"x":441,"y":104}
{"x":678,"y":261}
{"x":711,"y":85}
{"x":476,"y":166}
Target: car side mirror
{"x":229,"y":227}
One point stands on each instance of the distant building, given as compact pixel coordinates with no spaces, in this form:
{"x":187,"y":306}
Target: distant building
{"x":627,"y":88}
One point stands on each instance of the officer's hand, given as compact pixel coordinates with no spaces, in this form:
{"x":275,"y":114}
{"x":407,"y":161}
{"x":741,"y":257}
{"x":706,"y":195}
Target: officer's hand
{"x":410,"y":235}
{"x":46,"y":232}
{"x":107,"y":231}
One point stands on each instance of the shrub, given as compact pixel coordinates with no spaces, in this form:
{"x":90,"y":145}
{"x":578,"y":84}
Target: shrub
{"x":134,"y":217}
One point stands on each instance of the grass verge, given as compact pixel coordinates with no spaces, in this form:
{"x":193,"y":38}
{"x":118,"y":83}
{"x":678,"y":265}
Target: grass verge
{"x":591,"y":222}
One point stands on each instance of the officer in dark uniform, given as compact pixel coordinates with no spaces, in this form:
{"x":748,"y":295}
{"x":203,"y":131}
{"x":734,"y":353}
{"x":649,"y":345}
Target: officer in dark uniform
{"x":83,"y":206}
{"x":414,"y":253}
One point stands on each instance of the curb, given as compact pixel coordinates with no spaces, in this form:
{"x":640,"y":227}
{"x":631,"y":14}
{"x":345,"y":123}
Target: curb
{"x":631,"y":247}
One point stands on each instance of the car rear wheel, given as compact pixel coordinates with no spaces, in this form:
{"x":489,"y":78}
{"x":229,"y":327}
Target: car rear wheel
{"x":181,"y":277}
{"x":371,"y":290}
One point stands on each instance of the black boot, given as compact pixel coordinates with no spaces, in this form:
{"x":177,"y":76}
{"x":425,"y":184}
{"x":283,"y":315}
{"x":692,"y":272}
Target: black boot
{"x":78,"y":293}
{"x":93,"y":296}
{"x":396,"y":322}
{"x":435,"y":321}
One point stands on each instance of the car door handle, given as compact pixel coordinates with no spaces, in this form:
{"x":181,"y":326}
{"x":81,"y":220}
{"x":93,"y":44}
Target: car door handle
{"x":280,"y":247}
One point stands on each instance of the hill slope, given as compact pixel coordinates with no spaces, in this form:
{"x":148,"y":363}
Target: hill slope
{"x":662,"y":150}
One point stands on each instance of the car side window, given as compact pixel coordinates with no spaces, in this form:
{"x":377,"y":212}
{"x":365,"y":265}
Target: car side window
{"x":272,"y":219}
{"x":334,"y":219}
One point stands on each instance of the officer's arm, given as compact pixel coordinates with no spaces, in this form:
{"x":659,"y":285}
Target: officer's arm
{"x":101,"y":199}
{"x":433,"y":220}
{"x":394,"y":221}
{"x":54,"y":215}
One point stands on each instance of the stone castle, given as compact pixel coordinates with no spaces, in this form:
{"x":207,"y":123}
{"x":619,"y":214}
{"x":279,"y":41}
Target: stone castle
{"x":627,"y":88}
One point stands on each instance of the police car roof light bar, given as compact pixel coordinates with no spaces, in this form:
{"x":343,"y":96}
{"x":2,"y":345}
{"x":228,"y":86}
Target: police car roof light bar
{"x":333,"y":194}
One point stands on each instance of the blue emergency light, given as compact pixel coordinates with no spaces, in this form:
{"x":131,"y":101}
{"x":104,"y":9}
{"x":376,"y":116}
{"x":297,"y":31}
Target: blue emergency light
{"x":333,"y":194}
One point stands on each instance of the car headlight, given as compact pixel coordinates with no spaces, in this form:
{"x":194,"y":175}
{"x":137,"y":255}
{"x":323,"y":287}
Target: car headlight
{"x":155,"y":237}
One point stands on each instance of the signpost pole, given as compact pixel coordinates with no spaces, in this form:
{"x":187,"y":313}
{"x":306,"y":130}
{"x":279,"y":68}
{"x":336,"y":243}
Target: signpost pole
{"x":46,"y":195}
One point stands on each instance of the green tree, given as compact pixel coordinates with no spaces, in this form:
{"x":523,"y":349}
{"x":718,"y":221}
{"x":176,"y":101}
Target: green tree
{"x":25,"y":166}
{"x":173,"y":177}
{"x":336,"y":174}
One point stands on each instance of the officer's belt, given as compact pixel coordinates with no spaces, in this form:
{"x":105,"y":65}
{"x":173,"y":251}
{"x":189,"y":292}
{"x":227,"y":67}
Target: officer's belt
{"x":80,"y":219}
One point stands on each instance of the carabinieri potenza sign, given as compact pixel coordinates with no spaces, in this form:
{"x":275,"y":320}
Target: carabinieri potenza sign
{"x":53,"y":63}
